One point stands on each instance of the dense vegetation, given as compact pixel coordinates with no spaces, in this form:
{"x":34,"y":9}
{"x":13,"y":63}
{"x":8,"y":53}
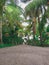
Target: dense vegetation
{"x":12,"y":31}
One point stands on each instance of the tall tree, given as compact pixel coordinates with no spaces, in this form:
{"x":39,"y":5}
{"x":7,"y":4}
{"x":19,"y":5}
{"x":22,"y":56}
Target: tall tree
{"x":2,"y":3}
{"x":34,"y":10}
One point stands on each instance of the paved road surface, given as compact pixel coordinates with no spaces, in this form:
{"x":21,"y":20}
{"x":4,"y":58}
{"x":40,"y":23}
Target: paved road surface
{"x":24,"y":55}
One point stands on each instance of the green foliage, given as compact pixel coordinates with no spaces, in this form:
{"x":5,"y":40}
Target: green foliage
{"x":44,"y":36}
{"x":11,"y":24}
{"x":33,"y":7}
{"x":13,"y":13}
{"x":2,"y":3}
{"x":31,"y":42}
{"x":48,"y":28}
{"x":42,"y":23}
{"x":2,"y":45}
{"x":47,"y":12}
{"x":5,"y":29}
{"x":20,"y":40}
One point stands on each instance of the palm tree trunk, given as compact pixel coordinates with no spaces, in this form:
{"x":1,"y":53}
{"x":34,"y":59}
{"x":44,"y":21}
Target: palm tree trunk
{"x":34,"y":27}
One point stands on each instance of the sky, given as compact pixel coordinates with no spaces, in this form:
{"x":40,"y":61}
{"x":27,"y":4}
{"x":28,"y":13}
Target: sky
{"x":23,"y":5}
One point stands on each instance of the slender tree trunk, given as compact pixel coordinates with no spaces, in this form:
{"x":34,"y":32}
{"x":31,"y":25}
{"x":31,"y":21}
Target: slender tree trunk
{"x":34,"y":27}
{"x":1,"y":17}
{"x":0,"y":29}
{"x":41,"y":39}
{"x":40,"y":33}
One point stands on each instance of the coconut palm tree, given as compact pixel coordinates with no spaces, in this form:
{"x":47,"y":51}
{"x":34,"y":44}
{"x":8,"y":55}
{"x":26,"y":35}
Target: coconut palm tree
{"x":31,"y":11}
{"x":34,"y":9}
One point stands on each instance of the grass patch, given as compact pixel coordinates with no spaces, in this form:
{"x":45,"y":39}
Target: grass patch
{"x":6,"y":45}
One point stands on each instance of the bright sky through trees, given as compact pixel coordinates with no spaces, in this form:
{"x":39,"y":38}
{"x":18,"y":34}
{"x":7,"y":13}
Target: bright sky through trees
{"x":23,"y":5}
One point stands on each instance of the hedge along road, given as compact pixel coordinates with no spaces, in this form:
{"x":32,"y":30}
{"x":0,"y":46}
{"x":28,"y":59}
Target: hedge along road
{"x":24,"y":55}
